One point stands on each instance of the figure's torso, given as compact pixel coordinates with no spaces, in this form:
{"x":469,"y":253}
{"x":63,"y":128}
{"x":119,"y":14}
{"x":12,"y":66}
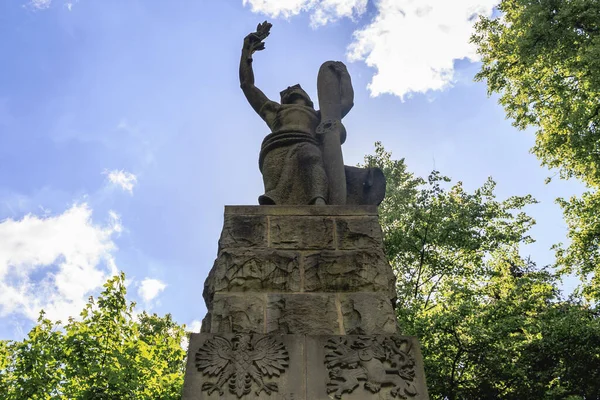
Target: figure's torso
{"x":291,"y":118}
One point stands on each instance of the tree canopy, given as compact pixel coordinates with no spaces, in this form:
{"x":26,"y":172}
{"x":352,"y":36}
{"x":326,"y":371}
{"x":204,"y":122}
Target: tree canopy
{"x":543,"y":58}
{"x":110,"y":353}
{"x":492,"y":324}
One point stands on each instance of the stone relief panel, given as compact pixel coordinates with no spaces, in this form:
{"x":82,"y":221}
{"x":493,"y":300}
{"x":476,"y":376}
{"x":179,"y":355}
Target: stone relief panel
{"x":358,"y":233}
{"x":371,"y":364}
{"x":348,"y":271}
{"x":304,"y":367}
{"x":262,"y":270}
{"x":243,"y":231}
{"x":368,"y":314}
{"x":301,"y":233}
{"x":240,"y":313}
{"x":240,"y":365}
{"x":302,"y":314}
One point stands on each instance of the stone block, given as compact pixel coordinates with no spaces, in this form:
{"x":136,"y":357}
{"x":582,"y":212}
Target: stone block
{"x":333,"y":211}
{"x":359,"y":233}
{"x":368,"y":314}
{"x":297,"y":367}
{"x":344,"y":271}
{"x":300,"y":307}
{"x":298,"y":314}
{"x":301,"y":233}
{"x":266,"y":367}
{"x":208,"y":291}
{"x":238,"y":313}
{"x":206,"y":323}
{"x":258,"y":270}
{"x":378,"y":367}
{"x":243,"y":231}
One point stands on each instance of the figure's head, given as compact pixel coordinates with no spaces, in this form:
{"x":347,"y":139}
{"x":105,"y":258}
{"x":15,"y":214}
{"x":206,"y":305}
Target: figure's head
{"x":296,"y":95}
{"x":241,"y":342}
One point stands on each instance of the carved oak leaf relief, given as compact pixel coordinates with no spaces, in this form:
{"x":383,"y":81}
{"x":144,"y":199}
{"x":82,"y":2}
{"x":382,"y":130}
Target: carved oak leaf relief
{"x":241,"y":362}
{"x":377,"y":361}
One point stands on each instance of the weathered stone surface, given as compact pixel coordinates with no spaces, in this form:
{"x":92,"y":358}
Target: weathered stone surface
{"x":368,"y":314}
{"x":238,"y":313}
{"x":343,"y":271}
{"x":243,"y":231}
{"x":358,"y":233}
{"x":257,"y":270}
{"x":364,"y":185}
{"x":306,"y":270}
{"x":364,"y":367}
{"x":299,"y":210}
{"x":298,"y":314}
{"x":306,"y":367}
{"x":208,"y":291}
{"x":301,"y":233}
{"x":206,"y":323}
{"x":281,"y":358}
{"x":301,"y":160}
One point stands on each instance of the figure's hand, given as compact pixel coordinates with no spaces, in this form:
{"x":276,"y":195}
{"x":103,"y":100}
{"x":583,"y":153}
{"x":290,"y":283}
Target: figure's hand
{"x":254,"y":41}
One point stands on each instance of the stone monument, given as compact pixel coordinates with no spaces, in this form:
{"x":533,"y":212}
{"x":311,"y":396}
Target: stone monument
{"x":301,"y":297}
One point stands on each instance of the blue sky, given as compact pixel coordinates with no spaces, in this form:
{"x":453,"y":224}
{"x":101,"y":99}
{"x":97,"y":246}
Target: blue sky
{"x":123,"y":131}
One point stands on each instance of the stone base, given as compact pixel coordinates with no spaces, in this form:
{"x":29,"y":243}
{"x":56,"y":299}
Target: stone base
{"x":302,"y":270}
{"x":303,"y":367}
{"x":301,"y":306}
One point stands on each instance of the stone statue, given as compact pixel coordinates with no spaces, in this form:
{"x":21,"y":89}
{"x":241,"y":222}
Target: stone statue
{"x":301,"y":160}
{"x":301,"y":299}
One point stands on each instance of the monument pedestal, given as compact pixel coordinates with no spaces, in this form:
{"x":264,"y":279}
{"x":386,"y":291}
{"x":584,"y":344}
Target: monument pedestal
{"x":301,"y":306}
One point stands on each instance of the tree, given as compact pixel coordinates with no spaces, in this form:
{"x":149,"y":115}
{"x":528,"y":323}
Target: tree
{"x":436,"y":235}
{"x":491,"y":323}
{"x":543,"y":58}
{"x":582,"y":255}
{"x":110,"y":353}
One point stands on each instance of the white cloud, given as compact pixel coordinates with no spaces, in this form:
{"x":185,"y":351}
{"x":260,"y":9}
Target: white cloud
{"x":413,"y":44}
{"x":150,"y":288}
{"x":39,"y":4}
{"x":194,"y":326}
{"x":125,"y":180}
{"x":54,"y":263}
{"x":322,"y":11}
{"x":69,"y":4}
{"x":44,"y":4}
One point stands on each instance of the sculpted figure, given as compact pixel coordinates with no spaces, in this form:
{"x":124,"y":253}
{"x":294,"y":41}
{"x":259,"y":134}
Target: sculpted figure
{"x":301,"y":159}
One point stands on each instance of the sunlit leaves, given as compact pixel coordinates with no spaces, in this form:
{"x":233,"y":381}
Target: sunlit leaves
{"x":435,"y":232}
{"x":110,"y":353}
{"x":543,"y":58}
{"x":582,"y":256}
{"x":483,"y":313}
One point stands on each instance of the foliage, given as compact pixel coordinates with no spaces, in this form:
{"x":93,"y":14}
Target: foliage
{"x":436,"y":235}
{"x":491,"y":323}
{"x":110,"y":353}
{"x":582,"y":256}
{"x":543,"y":58}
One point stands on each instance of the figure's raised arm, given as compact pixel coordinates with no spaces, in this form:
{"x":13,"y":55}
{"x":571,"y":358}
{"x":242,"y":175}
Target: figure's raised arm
{"x":253,"y":42}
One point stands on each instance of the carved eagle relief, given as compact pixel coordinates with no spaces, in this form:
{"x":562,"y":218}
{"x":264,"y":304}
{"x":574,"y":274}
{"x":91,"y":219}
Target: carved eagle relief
{"x":241,"y":362}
